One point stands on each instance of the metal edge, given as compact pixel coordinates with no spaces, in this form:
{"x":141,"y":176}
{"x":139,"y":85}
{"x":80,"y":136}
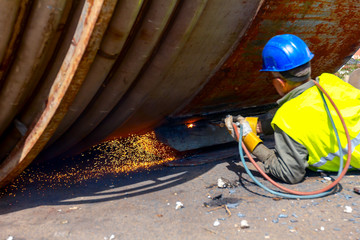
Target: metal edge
{"x":36,"y":104}
{"x":134,"y":59}
{"x":13,"y":43}
{"x":30,"y":59}
{"x":185,"y":82}
{"x":8,"y":14}
{"x":63,"y":90}
{"x":112,"y":44}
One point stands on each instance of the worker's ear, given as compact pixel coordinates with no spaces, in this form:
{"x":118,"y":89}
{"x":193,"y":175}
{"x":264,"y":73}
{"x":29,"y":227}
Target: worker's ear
{"x":280,"y":86}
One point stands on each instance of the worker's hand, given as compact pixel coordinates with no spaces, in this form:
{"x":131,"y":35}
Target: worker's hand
{"x":239,"y":120}
{"x":244,"y":124}
{"x":228,"y":124}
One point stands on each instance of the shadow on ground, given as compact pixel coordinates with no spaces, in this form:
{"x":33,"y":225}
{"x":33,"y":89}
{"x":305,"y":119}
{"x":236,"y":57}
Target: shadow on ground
{"x":28,"y":192}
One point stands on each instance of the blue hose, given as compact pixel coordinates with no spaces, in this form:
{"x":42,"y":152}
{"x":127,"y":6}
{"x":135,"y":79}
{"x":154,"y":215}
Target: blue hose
{"x":285,"y":195}
{"x":336,"y":134}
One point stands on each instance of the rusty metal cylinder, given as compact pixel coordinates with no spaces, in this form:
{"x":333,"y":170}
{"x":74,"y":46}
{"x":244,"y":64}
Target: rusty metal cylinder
{"x":74,"y":73}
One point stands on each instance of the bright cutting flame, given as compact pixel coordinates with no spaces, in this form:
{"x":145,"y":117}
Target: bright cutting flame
{"x":190,"y":125}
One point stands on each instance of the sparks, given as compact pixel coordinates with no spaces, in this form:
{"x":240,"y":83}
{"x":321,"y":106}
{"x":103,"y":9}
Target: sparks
{"x":118,"y":156}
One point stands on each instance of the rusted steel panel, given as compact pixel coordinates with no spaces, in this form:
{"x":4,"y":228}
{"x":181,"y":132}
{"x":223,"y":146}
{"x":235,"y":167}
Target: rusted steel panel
{"x":180,"y":74}
{"x":12,"y":31}
{"x":117,"y":33}
{"x":154,"y":60}
{"x":63,"y":90}
{"x":36,"y":103}
{"x":34,"y":52}
{"x":330,"y":28}
{"x":182,"y":31}
{"x":145,"y":41}
{"x":8,"y":14}
{"x":162,"y":89}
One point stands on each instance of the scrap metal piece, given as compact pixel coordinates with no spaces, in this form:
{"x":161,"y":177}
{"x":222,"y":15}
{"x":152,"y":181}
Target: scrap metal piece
{"x":61,"y":95}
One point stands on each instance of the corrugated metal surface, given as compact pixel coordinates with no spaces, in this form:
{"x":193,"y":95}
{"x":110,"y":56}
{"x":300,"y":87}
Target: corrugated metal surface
{"x":63,"y":90}
{"x":74,"y":73}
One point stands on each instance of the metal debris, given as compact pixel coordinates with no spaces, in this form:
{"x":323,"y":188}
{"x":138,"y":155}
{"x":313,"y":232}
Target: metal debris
{"x":216,"y":223}
{"x":357,"y":190}
{"x":244,"y":224}
{"x":219,"y":207}
{"x":179,"y":205}
{"x":348,"y":209}
{"x":277,"y":198}
{"x":227,"y":211}
{"x":327,"y":178}
{"x":241,"y":215}
{"x":223,"y":183}
{"x":283,"y":216}
{"x":112,"y":237}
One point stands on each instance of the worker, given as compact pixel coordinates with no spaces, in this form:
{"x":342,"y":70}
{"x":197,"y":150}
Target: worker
{"x":303,"y":133}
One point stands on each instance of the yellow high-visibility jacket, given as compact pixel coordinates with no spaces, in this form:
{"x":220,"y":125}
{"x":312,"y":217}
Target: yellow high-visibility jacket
{"x":305,"y":120}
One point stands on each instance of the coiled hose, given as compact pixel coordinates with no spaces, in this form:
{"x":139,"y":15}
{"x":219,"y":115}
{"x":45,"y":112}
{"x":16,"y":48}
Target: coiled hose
{"x":293,"y":193}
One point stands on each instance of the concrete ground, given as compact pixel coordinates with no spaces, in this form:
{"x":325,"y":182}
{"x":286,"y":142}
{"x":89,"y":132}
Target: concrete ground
{"x":142,"y":205}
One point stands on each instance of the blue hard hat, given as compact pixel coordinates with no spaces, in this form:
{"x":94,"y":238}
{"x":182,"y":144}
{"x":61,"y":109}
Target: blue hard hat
{"x":285,"y":52}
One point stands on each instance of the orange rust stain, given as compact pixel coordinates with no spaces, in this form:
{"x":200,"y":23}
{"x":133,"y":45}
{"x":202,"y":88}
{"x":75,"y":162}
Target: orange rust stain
{"x":238,"y":83}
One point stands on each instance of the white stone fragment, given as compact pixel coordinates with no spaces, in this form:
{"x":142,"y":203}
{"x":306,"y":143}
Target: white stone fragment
{"x":179,"y":205}
{"x":348,"y":209}
{"x":10,"y":238}
{"x":221,"y":183}
{"x":216,"y":223}
{"x":112,"y":237}
{"x":244,"y":224}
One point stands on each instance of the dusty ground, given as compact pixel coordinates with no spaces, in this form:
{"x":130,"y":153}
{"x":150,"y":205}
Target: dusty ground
{"x":142,"y":206}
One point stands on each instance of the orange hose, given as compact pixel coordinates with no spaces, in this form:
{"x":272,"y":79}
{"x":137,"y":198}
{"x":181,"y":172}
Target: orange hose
{"x":330,"y":186}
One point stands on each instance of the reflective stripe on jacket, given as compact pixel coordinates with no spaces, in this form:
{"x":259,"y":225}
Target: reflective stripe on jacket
{"x":305,"y":120}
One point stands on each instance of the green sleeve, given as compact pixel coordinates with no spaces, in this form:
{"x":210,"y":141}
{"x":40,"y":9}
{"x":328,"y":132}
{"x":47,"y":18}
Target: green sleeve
{"x":288,"y":162}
